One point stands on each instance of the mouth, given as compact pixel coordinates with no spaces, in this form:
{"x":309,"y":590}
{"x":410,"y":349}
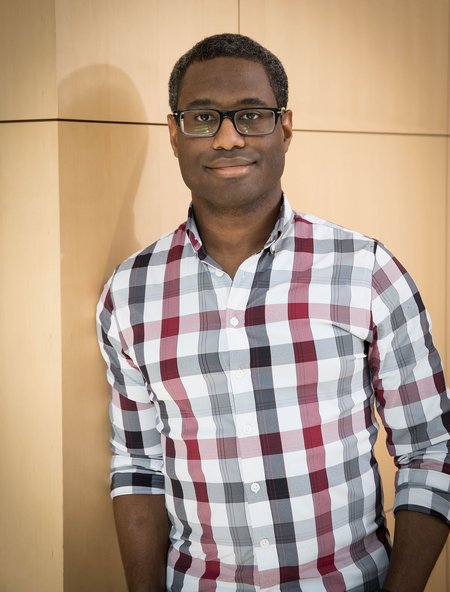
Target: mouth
{"x":230,"y":169}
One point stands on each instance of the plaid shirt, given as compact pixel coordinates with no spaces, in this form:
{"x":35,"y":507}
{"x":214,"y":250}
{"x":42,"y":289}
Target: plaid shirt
{"x":249,"y":403}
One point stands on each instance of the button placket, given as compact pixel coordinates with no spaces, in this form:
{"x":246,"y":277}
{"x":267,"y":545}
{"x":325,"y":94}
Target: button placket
{"x":246,"y":421}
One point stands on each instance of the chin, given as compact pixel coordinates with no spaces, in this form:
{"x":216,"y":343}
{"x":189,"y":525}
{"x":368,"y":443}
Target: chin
{"x":232,"y":204}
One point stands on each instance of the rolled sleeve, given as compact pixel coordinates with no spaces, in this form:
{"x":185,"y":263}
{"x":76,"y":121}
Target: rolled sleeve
{"x":137,"y":460}
{"x":409,"y":384}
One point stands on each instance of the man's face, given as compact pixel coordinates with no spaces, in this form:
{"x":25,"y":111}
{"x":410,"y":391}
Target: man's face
{"x":230,"y":171}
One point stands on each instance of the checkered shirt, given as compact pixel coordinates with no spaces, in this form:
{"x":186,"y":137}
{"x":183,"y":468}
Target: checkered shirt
{"x":250,"y":404}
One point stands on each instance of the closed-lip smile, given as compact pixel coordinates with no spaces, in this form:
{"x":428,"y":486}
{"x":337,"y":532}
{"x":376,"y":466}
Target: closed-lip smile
{"x":230,"y":167}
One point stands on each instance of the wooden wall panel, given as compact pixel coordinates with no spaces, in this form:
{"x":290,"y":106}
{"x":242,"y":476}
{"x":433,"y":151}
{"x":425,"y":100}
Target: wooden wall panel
{"x":387,"y":470}
{"x":30,"y":421}
{"x":390,"y":522}
{"x":372,"y":65}
{"x":120,"y":190}
{"x":99,"y":43}
{"x":354,"y":65}
{"x":27,"y":65}
{"x":438,"y":581}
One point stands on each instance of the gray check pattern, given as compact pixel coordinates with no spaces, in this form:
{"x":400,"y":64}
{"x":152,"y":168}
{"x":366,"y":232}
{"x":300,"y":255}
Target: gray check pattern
{"x":250,"y":404}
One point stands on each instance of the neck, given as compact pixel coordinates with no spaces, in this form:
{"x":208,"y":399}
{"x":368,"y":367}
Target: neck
{"x":231,"y":236}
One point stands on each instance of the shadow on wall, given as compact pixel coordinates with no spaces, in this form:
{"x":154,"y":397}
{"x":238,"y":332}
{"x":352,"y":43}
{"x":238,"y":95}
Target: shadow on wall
{"x":100,"y":165}
{"x":100,"y":168}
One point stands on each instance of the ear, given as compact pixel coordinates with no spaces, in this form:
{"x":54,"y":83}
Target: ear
{"x":173,"y":133}
{"x":286,"y":126}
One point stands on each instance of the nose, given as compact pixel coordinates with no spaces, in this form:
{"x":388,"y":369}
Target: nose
{"x":228,"y":137}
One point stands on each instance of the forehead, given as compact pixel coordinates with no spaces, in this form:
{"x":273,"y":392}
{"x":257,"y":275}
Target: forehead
{"x":225,"y":82}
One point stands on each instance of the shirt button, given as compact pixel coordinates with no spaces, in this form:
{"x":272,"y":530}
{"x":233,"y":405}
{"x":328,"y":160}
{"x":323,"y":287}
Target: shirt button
{"x":234,"y":322}
{"x":264,"y":543}
{"x":219,"y":273}
{"x":255,"y":487}
{"x":239,"y":373}
{"x":247,"y":428}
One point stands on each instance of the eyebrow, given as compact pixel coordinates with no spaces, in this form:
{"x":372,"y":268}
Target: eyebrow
{"x":250,"y":101}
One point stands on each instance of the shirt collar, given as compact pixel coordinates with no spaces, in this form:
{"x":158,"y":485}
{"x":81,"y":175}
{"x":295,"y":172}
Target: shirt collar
{"x":282,"y":225}
{"x":194,"y":235}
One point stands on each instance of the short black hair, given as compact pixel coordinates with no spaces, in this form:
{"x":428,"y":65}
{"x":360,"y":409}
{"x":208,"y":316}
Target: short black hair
{"x":230,"y":45}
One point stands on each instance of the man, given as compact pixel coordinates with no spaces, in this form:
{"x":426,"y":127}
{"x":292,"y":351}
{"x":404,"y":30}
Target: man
{"x":245,"y":351}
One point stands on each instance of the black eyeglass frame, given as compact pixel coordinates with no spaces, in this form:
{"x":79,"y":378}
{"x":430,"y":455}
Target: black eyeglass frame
{"x":277,"y":111}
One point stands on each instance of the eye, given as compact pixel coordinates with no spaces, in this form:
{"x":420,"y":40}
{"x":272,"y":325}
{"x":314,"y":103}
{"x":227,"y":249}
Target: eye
{"x":205,"y":116}
{"x":249,"y":115}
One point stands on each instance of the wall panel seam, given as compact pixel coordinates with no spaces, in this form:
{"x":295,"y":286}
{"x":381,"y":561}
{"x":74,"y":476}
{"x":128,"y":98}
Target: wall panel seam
{"x":70,"y":120}
{"x":159,"y":124}
{"x":239,"y":16}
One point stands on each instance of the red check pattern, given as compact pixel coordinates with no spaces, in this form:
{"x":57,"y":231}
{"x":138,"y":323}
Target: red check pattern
{"x":249,"y":403}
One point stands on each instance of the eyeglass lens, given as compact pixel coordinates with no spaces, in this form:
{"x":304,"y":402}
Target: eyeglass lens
{"x":248,"y":121}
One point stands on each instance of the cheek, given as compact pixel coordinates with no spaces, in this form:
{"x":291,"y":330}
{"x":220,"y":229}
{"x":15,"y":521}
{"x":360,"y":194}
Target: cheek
{"x":190,"y":166}
{"x":192,"y":170}
{"x":274,"y":162}
{"x":189,"y":155}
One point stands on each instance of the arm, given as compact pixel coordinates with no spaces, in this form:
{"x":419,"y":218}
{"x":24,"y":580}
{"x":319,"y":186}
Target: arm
{"x":418,"y":541}
{"x":137,"y":483}
{"x":414,"y":405}
{"x":143,"y":533}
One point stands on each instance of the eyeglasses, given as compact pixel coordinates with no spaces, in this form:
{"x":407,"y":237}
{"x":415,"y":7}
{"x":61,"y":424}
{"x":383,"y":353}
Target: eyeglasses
{"x":259,"y":121}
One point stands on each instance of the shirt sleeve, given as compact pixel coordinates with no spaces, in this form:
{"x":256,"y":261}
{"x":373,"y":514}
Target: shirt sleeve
{"x":411,"y":395}
{"x":137,"y":461}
